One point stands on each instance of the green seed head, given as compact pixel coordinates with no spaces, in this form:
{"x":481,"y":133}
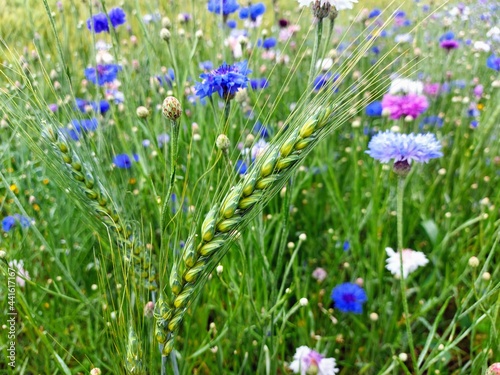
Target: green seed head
{"x":171,"y":108}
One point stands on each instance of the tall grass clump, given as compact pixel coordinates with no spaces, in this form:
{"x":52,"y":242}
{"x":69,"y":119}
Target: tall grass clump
{"x":231,"y":187}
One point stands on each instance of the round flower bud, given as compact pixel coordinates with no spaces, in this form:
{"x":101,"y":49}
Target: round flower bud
{"x":473,"y":262}
{"x":3,"y":254}
{"x":95,"y":371}
{"x":220,"y":269}
{"x":494,"y":369}
{"x":303,"y":302}
{"x":403,"y":357}
{"x":142,"y":112}
{"x":222,"y":142}
{"x":373,"y":316}
{"x":166,"y":23}
{"x":402,"y":168}
{"x":249,"y":140}
{"x":303,"y":237}
{"x":171,"y":108}
{"x":165,"y":34}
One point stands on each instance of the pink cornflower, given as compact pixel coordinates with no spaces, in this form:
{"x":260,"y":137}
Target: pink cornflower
{"x":319,"y":274}
{"x":432,"y":89}
{"x":406,"y":105}
{"x":308,"y":361}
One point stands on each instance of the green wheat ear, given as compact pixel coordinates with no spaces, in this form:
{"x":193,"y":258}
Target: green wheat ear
{"x":134,"y":355}
{"x":103,"y":209}
{"x":226,"y":216}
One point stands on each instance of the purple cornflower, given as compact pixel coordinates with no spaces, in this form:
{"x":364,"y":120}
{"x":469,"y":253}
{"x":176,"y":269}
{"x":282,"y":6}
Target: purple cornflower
{"x":349,"y":297}
{"x":323,"y":80}
{"x":117,"y":17}
{"x":493,"y":62}
{"x":406,"y":105}
{"x":226,"y":80}
{"x":449,"y":44}
{"x":98,"y":23}
{"x":225,"y":7}
{"x":389,"y":146}
{"x":102,"y":73}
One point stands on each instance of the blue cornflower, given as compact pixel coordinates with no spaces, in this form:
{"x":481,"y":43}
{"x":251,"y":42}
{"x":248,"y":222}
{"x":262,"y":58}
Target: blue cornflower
{"x":324,"y":79}
{"x":226,"y":80}
{"x":449,"y":35}
{"x":206,"y":65}
{"x":259,"y":83}
{"x":241,"y":167}
{"x":24,"y":221}
{"x":349,"y":297}
{"x":493,"y":62}
{"x":374,"y":109}
{"x":168,"y":78}
{"x":374,"y":13}
{"x":231,"y":24}
{"x":404,"y":147}
{"x":102,"y":74}
{"x":253,"y":11}
{"x":162,"y":139}
{"x":102,"y":106}
{"x":84,"y":125}
{"x":225,"y":7}
{"x":81,"y":104}
{"x":8,"y":222}
{"x":260,"y":130}
{"x":98,"y":23}
{"x":431,"y":120}
{"x":122,"y":161}
{"x":117,"y":17}
{"x":269,"y":43}
{"x":79,"y":126}
{"x":346,"y":245}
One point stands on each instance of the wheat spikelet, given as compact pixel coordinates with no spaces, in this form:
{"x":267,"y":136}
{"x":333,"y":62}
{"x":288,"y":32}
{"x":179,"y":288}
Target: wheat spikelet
{"x":222,"y":221}
{"x":103,"y":208}
{"x":134,"y":364}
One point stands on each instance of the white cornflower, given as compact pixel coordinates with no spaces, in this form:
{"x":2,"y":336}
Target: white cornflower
{"x":482,"y":46}
{"x":338,"y":4}
{"x":405,"y":86}
{"x":324,"y":64}
{"x":411,"y":261}
{"x":308,"y":361}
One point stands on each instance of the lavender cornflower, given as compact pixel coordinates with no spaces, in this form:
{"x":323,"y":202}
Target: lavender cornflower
{"x":404,"y":147}
{"x":226,"y":80}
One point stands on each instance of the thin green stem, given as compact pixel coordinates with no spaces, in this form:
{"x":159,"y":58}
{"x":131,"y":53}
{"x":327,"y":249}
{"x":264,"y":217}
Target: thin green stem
{"x":173,"y":166}
{"x":314,"y":56}
{"x":400,"y":194}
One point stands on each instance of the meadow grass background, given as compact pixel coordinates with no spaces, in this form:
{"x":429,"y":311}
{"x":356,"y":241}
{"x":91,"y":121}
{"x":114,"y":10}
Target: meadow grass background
{"x":76,"y":310}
